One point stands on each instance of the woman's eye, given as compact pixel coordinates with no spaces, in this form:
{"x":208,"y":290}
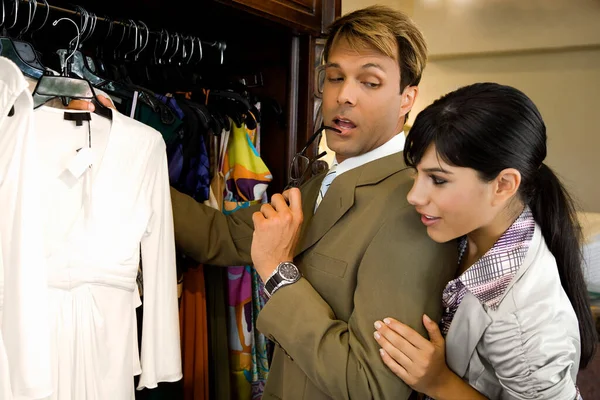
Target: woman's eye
{"x":438,"y":181}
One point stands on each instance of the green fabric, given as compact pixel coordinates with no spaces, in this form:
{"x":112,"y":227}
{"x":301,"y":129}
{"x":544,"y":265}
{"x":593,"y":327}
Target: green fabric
{"x":146,"y":115}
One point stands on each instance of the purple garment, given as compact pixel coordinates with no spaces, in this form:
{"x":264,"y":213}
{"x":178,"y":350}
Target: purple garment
{"x":195,"y":181}
{"x":172,"y":103}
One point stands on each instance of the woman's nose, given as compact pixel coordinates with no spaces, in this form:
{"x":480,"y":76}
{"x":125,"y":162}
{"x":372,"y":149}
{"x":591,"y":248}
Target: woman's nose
{"x":416,"y":195}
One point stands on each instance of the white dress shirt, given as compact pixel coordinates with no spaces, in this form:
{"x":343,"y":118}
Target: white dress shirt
{"x":394,"y":145}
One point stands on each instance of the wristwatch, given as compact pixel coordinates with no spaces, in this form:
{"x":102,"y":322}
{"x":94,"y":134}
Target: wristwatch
{"x":285,"y":274}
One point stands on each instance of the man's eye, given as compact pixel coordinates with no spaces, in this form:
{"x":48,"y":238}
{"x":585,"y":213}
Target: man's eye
{"x":371,"y":85}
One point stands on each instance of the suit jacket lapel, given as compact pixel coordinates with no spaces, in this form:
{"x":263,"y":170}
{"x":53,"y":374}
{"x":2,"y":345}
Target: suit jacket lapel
{"x":334,"y":205}
{"x":468,"y":326}
{"x":310,"y":192}
{"x":340,"y":197}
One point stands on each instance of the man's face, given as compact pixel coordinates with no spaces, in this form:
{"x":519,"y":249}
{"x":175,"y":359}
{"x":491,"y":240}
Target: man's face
{"x":361,"y":98}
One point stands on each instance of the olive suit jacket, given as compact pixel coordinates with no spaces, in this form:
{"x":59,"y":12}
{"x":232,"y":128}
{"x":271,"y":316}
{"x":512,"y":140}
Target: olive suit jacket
{"x":364,"y":256}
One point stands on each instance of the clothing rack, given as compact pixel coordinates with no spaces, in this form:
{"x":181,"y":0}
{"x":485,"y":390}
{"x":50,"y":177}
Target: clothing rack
{"x":219,"y":45}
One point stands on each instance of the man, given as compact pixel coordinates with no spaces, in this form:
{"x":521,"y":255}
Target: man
{"x":359,"y":247}
{"x":363,"y":254}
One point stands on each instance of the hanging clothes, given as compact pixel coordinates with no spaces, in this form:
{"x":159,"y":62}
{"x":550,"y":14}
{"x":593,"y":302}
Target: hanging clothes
{"x":24,"y":330}
{"x":94,"y":220}
{"x":216,"y":285}
{"x":202,"y":307}
{"x":246,"y":181}
{"x":189,"y":162}
{"x":194,"y":338}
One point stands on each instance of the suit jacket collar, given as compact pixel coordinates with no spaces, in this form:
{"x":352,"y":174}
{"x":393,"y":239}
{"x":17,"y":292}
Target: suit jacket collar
{"x":466,"y":330}
{"x":472,"y":319}
{"x":340,"y":196}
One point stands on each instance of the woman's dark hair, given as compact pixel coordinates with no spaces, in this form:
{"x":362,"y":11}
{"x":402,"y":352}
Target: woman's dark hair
{"x":490,"y":127}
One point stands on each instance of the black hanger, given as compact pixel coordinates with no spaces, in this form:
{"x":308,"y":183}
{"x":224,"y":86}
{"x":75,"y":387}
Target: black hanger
{"x":8,"y":50}
{"x":77,"y":66}
{"x":21,"y":53}
{"x":50,"y":86}
{"x":25,"y":49}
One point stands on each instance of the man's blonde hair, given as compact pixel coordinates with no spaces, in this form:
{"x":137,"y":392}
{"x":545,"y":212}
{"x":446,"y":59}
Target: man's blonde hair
{"x":388,"y":31}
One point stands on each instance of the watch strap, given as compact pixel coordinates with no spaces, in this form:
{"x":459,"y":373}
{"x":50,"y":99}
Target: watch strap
{"x":276,"y":281}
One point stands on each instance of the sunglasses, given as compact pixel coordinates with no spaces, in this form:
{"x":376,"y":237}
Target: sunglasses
{"x":301,"y":165}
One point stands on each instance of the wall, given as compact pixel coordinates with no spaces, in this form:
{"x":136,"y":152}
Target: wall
{"x":475,"y":26}
{"x":403,"y":5}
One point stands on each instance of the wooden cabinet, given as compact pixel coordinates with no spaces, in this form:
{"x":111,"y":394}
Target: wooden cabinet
{"x":311,"y":16}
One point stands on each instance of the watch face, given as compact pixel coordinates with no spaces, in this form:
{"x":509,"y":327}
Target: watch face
{"x":289,"y":271}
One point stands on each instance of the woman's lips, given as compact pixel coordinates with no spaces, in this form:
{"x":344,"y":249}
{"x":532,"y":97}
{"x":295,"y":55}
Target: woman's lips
{"x":429,"y":220}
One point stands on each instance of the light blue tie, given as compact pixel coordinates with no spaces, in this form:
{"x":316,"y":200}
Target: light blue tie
{"x":326,"y":183}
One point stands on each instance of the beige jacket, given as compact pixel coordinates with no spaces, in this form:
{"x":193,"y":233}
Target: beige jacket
{"x":364,"y":255}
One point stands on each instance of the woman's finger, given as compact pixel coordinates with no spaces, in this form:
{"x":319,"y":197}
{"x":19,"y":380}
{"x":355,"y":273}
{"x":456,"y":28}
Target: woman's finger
{"x":396,"y":368}
{"x":412,"y":336}
{"x":397,"y":340}
{"x":395,"y":350}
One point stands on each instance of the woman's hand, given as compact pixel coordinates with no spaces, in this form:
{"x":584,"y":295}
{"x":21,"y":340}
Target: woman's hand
{"x":419,"y":362}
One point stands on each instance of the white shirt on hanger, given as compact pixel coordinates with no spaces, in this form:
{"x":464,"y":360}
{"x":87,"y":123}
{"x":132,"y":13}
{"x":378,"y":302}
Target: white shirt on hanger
{"x":94,"y":222}
{"x":24,"y":333}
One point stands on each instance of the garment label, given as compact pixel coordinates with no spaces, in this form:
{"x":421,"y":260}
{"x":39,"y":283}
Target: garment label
{"x":81,"y":162}
{"x":77,"y":117}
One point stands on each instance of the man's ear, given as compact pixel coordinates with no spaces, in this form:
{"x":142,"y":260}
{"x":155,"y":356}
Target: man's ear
{"x":409,"y":96}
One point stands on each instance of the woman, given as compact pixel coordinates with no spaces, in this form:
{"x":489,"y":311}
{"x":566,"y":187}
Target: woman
{"x":516,"y":321}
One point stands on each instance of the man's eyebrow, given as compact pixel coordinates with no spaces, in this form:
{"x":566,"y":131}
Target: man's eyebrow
{"x":373,"y":65}
{"x":366,"y":66}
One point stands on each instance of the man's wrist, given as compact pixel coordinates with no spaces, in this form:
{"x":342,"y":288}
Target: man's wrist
{"x":266,"y":278}
{"x":286,"y":273}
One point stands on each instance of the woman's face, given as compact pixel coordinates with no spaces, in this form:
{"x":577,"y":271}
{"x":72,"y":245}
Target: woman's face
{"x":453,"y":201}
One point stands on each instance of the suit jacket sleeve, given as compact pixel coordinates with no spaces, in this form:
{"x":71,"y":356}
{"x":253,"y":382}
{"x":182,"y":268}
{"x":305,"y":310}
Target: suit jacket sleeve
{"x":209,"y":236}
{"x":401,"y":275}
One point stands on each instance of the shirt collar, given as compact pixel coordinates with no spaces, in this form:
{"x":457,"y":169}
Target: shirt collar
{"x":490,"y":276}
{"x":394,"y":145}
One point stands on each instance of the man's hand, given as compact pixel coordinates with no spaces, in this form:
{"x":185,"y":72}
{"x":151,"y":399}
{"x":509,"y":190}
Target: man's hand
{"x":87,"y":105}
{"x":276,"y":232}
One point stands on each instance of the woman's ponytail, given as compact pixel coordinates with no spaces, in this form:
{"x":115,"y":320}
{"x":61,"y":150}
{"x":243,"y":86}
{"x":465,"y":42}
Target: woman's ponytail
{"x":553,"y":209}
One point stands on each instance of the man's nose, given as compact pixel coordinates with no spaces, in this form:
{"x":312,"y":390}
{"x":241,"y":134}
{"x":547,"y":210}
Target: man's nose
{"x":347,"y":93}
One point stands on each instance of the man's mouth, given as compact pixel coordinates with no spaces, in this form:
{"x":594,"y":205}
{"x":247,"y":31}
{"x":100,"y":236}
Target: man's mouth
{"x":344,"y":124}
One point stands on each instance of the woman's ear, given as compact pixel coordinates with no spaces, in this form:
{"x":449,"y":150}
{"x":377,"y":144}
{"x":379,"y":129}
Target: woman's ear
{"x":506,"y":185}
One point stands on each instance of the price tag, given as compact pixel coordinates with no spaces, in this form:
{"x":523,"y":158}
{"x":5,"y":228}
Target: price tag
{"x":81,"y":162}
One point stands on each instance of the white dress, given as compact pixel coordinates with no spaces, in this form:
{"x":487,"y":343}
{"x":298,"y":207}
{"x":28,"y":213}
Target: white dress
{"x":24,"y":333}
{"x":94,"y":227}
